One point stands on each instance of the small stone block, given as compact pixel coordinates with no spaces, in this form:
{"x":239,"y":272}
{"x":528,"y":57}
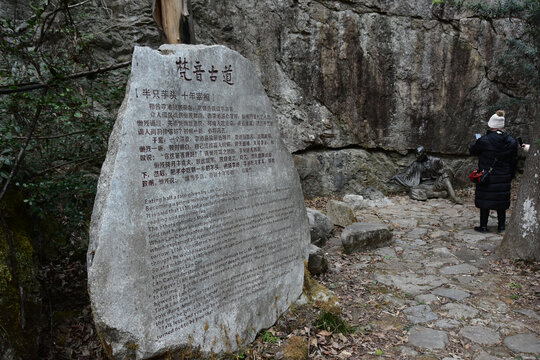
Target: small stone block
{"x":428,"y":338}
{"x":523,"y":343}
{"x":365,"y":236}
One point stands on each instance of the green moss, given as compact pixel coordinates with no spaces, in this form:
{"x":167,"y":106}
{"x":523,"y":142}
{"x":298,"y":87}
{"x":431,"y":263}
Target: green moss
{"x":322,"y":297}
{"x":317,"y":294}
{"x":296,"y":349}
{"x":25,"y":263}
{"x":10,"y":305}
{"x":132,"y":350}
{"x":184,"y":353}
{"x":23,"y":341}
{"x":267,"y":336}
{"x":378,"y":288}
{"x":237,"y":355}
{"x":132,"y":346}
{"x":5,"y":274}
{"x":18,"y":286}
{"x":25,"y":260}
{"x":333,"y":322}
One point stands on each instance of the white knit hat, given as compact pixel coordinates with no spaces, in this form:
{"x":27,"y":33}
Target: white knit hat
{"x":496,"y":121}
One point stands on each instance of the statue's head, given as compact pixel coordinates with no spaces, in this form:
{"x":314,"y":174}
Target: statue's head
{"x":421,"y":153}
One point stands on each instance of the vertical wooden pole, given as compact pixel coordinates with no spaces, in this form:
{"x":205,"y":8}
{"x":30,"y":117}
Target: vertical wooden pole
{"x":171,"y":11}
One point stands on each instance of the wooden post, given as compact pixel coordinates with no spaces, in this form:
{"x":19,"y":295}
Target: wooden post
{"x":167,"y":14}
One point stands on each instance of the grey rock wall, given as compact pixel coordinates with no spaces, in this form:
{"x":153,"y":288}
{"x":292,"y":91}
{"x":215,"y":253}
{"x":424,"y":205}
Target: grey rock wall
{"x":372,"y":75}
{"x":354,"y":83}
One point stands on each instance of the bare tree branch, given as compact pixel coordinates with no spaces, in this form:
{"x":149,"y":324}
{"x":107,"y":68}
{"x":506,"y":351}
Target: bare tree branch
{"x":22,"y":150}
{"x":49,"y":137}
{"x":10,"y":89}
{"x":78,"y":161}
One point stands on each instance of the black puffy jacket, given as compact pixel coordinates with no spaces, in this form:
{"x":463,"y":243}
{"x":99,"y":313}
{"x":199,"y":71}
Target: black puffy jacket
{"x":495,"y":193}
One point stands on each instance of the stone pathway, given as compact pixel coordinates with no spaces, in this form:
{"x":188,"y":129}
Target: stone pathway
{"x":440,"y":273}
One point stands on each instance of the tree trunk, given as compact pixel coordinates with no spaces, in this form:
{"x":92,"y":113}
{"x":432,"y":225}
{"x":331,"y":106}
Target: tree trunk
{"x":522,"y":238}
{"x":172,"y":17}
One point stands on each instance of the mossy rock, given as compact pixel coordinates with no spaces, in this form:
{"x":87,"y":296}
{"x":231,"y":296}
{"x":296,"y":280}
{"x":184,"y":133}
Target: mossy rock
{"x":317,"y":294}
{"x":296,"y":348}
{"x":20,"y":301}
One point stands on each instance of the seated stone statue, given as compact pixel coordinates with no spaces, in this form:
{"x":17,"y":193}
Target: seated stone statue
{"x":427,"y":177}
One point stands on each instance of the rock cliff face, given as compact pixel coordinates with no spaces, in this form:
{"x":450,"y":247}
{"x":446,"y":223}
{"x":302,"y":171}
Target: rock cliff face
{"x":370,"y":75}
{"x":375,"y":74}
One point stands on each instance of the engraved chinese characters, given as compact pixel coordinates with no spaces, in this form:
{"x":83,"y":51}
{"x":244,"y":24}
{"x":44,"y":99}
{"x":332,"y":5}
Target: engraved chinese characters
{"x":199,"y":230}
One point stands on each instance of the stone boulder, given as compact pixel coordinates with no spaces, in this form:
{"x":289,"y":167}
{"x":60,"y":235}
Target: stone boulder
{"x":199,"y":234}
{"x":356,"y":201}
{"x":373,"y":194}
{"x":364,"y":236}
{"x":320,"y":227}
{"x":374,"y":197}
{"x":340,"y":213}
{"x":317,"y":263}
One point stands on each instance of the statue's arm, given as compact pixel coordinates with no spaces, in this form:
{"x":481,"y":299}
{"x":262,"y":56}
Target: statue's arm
{"x":440,"y":166}
{"x":411,"y":176}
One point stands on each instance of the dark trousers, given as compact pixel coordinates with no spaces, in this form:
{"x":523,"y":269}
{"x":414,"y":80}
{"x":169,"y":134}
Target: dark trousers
{"x":501,"y":218}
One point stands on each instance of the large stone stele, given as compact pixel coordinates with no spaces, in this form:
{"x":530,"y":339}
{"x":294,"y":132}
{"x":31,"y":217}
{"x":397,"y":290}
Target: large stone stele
{"x":199,"y":232}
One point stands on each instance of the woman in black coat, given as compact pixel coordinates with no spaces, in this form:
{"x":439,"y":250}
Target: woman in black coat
{"x":496,"y":150}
